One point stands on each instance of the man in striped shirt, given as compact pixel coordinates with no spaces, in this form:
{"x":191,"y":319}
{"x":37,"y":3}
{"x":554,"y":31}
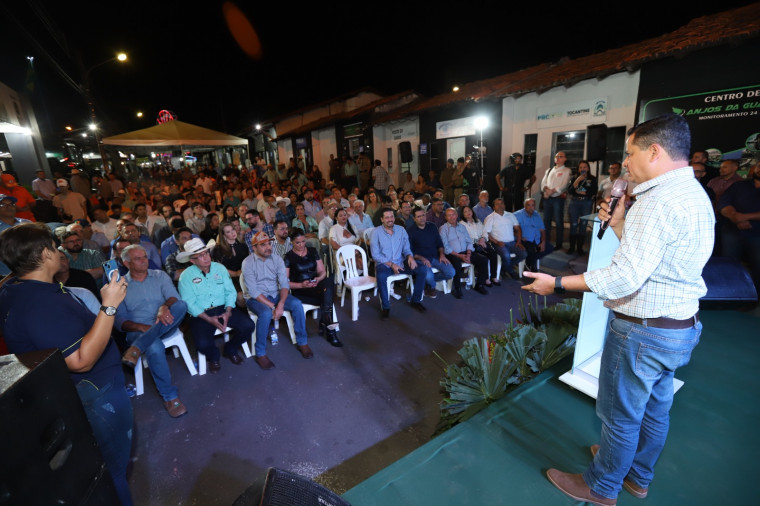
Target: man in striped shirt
{"x":653,"y":286}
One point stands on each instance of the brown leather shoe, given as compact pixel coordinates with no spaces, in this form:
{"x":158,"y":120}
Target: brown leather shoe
{"x":630,"y":486}
{"x":431,"y":292}
{"x":214,"y":366}
{"x":131,"y":356}
{"x":305,"y":351}
{"x":574,"y":486}
{"x":264,"y":362}
{"x":175,"y":407}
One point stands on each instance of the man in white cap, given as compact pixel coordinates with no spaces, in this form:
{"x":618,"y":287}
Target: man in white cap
{"x":68,"y":202}
{"x":207,"y":289}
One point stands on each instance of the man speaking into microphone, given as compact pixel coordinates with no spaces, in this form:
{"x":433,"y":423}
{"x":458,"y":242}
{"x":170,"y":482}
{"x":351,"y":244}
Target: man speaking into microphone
{"x":653,"y":286}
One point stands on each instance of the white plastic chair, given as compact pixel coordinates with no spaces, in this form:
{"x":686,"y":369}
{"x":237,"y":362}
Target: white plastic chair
{"x":392,"y":279}
{"x":469,"y":272}
{"x":286,"y":314}
{"x":202,"y":357}
{"x":175,"y":341}
{"x":443,"y":285}
{"x":520,"y":266}
{"x":350,"y":277}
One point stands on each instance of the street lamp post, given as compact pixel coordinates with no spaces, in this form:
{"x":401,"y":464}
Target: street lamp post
{"x":91,"y":104}
{"x":481,"y":123}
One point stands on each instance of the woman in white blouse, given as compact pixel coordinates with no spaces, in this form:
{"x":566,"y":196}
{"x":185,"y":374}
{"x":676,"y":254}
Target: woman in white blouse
{"x":480,"y":241}
{"x":342,"y":233}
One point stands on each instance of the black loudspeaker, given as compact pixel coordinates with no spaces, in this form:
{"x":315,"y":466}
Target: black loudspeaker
{"x":283,"y":488}
{"x":405,"y":150}
{"x":49,"y":453}
{"x":596,"y":142}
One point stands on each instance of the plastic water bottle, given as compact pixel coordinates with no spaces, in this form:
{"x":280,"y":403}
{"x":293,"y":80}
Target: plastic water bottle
{"x":275,"y":338}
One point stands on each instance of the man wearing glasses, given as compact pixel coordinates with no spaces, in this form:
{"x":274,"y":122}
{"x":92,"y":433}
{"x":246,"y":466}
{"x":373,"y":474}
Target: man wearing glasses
{"x":8,"y":212}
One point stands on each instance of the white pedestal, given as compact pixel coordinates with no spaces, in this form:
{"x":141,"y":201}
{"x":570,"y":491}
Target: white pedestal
{"x":592,"y":328}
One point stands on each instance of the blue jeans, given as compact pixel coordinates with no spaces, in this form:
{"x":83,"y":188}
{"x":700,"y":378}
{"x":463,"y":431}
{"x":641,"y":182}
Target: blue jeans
{"x":264,"y":315}
{"x":505,"y":252}
{"x":109,"y":412}
{"x":445,"y":271}
{"x":634,"y":400}
{"x":419,"y":275}
{"x":554,"y":209}
{"x":577,"y":208}
{"x":151,"y":345}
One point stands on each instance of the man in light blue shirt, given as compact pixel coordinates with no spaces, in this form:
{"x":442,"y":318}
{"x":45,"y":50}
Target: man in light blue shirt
{"x":458,"y":247}
{"x":482,"y":209}
{"x":151,"y":311}
{"x":393,"y":255}
{"x":360,"y":220}
{"x":533,"y":234}
{"x":267,"y":293}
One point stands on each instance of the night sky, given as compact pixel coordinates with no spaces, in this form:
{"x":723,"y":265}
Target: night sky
{"x":183,"y":58}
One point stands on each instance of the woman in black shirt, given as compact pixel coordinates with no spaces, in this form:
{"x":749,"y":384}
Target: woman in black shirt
{"x":230,"y":252}
{"x":310,"y":283}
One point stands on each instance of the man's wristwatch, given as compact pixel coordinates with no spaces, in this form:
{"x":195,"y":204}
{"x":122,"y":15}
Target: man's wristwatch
{"x":558,"y":288}
{"x":109,"y":310}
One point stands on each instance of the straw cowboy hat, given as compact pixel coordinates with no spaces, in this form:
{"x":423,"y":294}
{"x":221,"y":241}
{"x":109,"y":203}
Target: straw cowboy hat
{"x":193,"y":247}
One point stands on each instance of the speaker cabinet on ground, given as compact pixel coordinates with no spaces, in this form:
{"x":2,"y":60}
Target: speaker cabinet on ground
{"x":596,"y":142}
{"x":405,"y":151}
{"x":49,"y":455}
{"x":283,"y":488}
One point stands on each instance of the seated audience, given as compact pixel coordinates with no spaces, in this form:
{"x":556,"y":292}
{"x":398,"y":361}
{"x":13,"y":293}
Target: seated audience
{"x":481,"y":245}
{"x":505,"y":235}
{"x":427,"y":248}
{"x":207,"y":289}
{"x":68,"y":276}
{"x":457,"y":245}
{"x":310,"y":283}
{"x":393,"y":255}
{"x":151,"y":310}
{"x":267,"y":295}
{"x":533,"y":234}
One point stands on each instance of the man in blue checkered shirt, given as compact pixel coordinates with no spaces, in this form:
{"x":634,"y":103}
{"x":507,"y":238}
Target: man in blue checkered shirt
{"x":653,"y":286}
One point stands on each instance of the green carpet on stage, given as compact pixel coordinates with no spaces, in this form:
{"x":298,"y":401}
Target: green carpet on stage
{"x":500,"y":455}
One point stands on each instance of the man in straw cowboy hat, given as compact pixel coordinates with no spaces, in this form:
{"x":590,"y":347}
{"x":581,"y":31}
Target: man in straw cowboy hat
{"x":207,"y":289}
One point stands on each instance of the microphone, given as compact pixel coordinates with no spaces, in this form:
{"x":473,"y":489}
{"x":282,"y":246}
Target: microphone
{"x":618,"y":190}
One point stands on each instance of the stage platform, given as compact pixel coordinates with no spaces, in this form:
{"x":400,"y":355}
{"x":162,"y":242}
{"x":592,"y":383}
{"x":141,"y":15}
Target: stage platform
{"x":500,"y":456}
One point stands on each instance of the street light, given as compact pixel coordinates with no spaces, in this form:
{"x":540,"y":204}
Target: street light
{"x":122,"y":57}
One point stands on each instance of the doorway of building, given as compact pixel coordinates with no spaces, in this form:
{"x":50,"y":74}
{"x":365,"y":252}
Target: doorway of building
{"x":455,"y":148}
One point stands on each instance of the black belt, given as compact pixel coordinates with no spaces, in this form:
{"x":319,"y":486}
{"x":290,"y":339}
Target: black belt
{"x":660,"y":323}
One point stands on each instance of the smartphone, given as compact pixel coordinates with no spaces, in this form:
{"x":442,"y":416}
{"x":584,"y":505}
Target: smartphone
{"x":109,"y":266}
